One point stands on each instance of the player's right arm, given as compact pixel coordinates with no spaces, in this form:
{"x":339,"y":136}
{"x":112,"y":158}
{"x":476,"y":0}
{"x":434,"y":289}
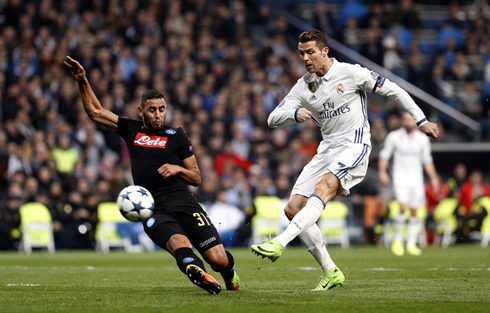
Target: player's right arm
{"x":91,"y":104}
{"x":384,"y":157}
{"x":289,"y":111}
{"x":373,"y":82}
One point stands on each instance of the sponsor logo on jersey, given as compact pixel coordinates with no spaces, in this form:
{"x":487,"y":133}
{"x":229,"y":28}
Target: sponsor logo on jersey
{"x":381,"y":82}
{"x":333,"y":113}
{"x":340,"y":89}
{"x":207,"y":242}
{"x":282,"y":103}
{"x":150,"y":222}
{"x":170,"y":132}
{"x":312,"y":97}
{"x":144,"y":140}
{"x":313,"y":86}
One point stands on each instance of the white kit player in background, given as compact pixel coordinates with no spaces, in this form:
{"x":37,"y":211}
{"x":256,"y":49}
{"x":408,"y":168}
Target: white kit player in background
{"x":333,"y":95}
{"x":411,"y":153}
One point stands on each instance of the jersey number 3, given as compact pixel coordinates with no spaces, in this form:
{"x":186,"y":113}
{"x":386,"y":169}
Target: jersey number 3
{"x":202,"y":219}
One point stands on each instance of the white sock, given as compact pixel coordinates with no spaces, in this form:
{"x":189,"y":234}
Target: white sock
{"x":399,"y":224}
{"x":413,"y":231}
{"x":304,"y":219}
{"x":312,"y":237}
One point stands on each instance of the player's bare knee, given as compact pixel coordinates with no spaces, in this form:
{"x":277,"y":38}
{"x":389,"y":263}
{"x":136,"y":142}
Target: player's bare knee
{"x":290,"y":211}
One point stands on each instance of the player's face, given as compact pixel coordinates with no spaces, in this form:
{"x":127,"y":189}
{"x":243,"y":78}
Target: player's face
{"x":408,"y":122}
{"x":153,"y":113}
{"x":314,"y":58}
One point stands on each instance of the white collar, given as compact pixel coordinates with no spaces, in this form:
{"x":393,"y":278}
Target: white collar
{"x":331,"y":71}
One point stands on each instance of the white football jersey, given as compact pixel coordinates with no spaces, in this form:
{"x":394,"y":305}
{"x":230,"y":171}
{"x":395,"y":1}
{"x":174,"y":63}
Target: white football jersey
{"x":338,"y":102}
{"x":410,"y":153}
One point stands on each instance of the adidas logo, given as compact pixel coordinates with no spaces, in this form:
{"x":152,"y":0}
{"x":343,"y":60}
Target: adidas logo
{"x":313,"y":97}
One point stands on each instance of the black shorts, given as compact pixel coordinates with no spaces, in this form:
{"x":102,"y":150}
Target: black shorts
{"x":180,"y":213}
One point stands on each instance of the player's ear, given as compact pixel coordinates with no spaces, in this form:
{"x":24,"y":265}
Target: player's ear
{"x":140,"y":111}
{"x":325,"y":51}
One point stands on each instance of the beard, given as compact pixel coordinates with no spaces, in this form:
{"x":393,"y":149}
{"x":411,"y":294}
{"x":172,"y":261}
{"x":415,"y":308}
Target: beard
{"x":149,"y":125}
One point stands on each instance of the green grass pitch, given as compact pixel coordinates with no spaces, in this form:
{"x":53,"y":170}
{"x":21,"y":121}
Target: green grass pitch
{"x":456,"y":279}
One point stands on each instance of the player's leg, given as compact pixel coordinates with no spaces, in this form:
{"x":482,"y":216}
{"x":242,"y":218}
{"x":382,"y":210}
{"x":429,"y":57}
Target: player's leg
{"x":412,"y":233}
{"x":311,"y":237}
{"x":170,"y":236}
{"x":402,"y":193}
{"x":327,"y":187}
{"x":414,"y":223}
{"x":205,"y":238}
{"x":222,"y":261}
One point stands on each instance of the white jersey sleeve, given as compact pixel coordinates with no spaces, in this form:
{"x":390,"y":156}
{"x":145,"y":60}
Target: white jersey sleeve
{"x":371,"y":81}
{"x":285,"y":113}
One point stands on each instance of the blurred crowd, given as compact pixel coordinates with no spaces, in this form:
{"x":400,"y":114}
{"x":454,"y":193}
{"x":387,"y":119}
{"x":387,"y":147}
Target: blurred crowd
{"x":220,"y":81}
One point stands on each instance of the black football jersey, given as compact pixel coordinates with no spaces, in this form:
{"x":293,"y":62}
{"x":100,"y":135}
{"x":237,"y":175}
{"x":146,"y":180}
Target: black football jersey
{"x":149,"y":149}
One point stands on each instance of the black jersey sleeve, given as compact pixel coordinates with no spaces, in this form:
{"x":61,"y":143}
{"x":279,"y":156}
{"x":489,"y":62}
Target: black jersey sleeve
{"x":126,"y":127}
{"x":185,"y":149}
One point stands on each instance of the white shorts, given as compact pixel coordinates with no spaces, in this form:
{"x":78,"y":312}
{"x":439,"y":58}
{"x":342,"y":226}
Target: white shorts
{"x":411,"y":194}
{"x":348,"y":161}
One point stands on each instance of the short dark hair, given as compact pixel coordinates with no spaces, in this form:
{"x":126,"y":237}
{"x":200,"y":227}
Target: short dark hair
{"x":314,"y":35}
{"x":151,"y":94}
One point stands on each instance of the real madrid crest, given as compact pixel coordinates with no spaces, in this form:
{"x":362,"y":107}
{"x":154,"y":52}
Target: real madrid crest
{"x":313,"y":86}
{"x":340,"y":89}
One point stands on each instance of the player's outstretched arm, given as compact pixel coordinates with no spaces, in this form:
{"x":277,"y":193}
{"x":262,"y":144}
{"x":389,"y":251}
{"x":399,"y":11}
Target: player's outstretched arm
{"x":189,"y":171}
{"x":90,"y":102}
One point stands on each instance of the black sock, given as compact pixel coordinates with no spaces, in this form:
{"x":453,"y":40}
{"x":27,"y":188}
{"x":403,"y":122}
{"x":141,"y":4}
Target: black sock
{"x":185,"y":257}
{"x":228,"y":272}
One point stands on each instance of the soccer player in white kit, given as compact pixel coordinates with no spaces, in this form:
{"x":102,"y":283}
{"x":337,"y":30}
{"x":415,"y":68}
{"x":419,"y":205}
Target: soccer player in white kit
{"x":410,"y":149}
{"x":333,"y":95}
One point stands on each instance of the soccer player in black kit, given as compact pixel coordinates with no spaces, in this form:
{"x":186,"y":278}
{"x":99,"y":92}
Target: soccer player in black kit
{"x":162,"y":161}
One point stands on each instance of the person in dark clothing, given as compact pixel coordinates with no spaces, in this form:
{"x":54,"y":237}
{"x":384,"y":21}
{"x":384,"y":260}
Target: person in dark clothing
{"x":163,"y":162}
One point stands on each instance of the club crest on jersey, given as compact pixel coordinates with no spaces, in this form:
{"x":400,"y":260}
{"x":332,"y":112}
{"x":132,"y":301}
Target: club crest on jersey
{"x":170,"y":132}
{"x":144,"y":140}
{"x":340,"y":89}
{"x":313,"y":86}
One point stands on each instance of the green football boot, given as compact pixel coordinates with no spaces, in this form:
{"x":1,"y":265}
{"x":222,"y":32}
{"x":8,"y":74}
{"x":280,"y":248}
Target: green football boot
{"x":416,"y":251}
{"x":270,"y":249}
{"x":397,"y":248}
{"x":330,"y":278}
{"x":234,"y":283}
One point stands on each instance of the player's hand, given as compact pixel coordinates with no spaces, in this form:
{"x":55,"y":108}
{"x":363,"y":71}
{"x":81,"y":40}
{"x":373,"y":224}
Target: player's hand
{"x":76,"y":69}
{"x":384,"y":178}
{"x":167,"y":170}
{"x":303,"y":115}
{"x":430,"y":129}
{"x":435,"y":184}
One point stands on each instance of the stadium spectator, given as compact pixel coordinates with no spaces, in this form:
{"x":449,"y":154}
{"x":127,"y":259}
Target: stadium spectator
{"x":472,"y":189}
{"x":405,"y":14}
{"x":459,"y":177}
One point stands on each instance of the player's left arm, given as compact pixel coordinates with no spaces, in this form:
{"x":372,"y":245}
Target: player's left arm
{"x":429,"y":167}
{"x":372,"y":82}
{"x":189,"y":171}
{"x":430,"y":170}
